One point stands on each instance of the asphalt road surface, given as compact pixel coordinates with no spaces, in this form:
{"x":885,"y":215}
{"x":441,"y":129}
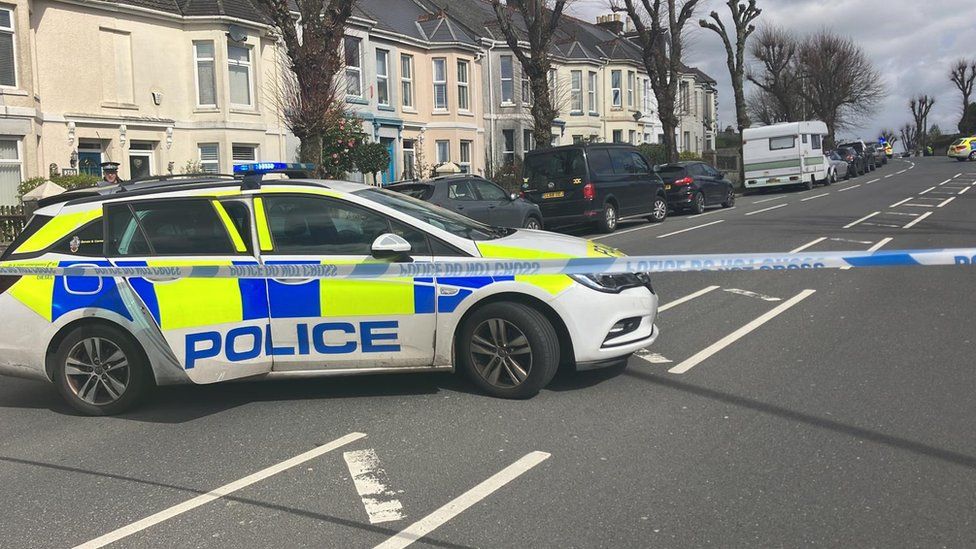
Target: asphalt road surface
{"x":777,"y":409}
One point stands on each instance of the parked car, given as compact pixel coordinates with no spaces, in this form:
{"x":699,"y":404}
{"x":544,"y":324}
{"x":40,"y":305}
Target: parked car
{"x":475,"y":197}
{"x":694,"y":186}
{"x":963,"y":148}
{"x":870,"y":162}
{"x":599,"y":183}
{"x":838,"y":167}
{"x":889,"y":152}
{"x":880,"y":157}
{"x":856,"y":164}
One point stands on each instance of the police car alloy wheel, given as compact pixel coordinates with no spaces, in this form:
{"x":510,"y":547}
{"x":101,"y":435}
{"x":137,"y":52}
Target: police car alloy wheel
{"x":99,"y":371}
{"x":659,"y":210}
{"x":509,"y":350}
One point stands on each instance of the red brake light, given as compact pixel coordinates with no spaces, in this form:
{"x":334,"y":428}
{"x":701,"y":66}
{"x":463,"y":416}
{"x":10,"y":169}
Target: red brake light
{"x":685,"y":181}
{"x":521,"y":194}
{"x":589,"y":191}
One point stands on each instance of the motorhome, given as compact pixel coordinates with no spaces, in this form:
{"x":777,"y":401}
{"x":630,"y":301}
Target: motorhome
{"x":791,"y":153}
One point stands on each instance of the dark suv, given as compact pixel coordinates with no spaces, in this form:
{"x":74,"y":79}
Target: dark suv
{"x":693,"y":186}
{"x":870,"y":161}
{"x":598,"y":183}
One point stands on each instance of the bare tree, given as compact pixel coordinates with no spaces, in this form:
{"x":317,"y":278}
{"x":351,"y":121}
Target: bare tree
{"x":742,"y":17}
{"x":889,"y":136}
{"x":840,"y":84}
{"x":763,"y":107}
{"x":963,"y":75}
{"x":308,"y":95}
{"x":909,"y":137}
{"x":660,"y":26}
{"x":920,"y":107}
{"x":540,"y":19}
{"x":776,"y":50}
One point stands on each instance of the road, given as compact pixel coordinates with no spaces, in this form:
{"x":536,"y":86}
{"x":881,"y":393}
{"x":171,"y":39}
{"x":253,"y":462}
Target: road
{"x":828,"y":408}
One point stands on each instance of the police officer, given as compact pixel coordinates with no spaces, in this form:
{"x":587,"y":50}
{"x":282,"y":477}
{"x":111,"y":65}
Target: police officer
{"x":110,"y":174}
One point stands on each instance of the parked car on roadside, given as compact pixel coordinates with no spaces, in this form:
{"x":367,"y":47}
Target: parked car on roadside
{"x":838,"y":167}
{"x":694,"y":186}
{"x":855,"y":161}
{"x":870,"y":162}
{"x":475,"y":197}
{"x":963,"y":148}
{"x":600,"y":183}
{"x":880,"y":157}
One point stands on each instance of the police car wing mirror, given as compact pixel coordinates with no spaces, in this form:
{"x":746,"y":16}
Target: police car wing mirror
{"x":390,"y":246}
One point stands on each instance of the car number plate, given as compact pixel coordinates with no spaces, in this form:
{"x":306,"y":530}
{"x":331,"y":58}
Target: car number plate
{"x":667,"y":187}
{"x":557,"y":194}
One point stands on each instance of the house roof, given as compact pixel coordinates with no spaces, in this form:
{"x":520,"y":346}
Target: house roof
{"x":413,"y":20}
{"x":247,"y":10}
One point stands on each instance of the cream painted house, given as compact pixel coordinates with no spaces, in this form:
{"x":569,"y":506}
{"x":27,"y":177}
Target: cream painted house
{"x":151,"y":85}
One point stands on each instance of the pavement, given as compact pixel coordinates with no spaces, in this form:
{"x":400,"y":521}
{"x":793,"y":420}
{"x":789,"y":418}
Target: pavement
{"x":777,"y":409}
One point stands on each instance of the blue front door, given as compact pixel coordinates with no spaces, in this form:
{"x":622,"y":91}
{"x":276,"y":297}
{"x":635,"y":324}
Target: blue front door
{"x":389,"y":175}
{"x":90,"y":163}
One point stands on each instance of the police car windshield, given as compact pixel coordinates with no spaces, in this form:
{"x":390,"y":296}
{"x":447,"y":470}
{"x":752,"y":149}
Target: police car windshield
{"x":446,"y":220}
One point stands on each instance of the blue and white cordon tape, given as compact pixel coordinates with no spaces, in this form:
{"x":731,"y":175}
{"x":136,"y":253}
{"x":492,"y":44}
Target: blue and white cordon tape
{"x":519,"y":267}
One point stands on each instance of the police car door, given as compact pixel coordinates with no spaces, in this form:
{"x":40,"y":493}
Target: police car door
{"x":328,"y":324}
{"x":217,"y":328}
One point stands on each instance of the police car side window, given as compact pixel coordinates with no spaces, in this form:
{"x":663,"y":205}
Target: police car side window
{"x":240,"y":216}
{"x":125,"y":237}
{"x":168,"y":227}
{"x":310,"y":225}
{"x":89,"y":241}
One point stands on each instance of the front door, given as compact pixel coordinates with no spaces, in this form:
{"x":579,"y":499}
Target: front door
{"x":217,"y":328}
{"x":389,"y":175}
{"x":332,"y":324}
{"x":90,"y":162}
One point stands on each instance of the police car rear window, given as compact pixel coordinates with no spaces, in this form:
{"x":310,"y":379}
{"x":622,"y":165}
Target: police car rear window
{"x":32,"y":227}
{"x":170,"y":227}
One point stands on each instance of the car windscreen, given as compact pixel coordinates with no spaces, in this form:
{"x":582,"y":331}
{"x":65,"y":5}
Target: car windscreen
{"x":441,"y":218}
{"x":958,"y":142}
{"x":856,"y":146}
{"x":559,"y":167}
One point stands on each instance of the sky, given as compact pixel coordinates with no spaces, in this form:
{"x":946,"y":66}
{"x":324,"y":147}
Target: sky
{"x":912,"y":44}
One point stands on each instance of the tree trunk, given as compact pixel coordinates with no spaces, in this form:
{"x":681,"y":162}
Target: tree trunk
{"x":310,"y":150}
{"x":542,"y":111}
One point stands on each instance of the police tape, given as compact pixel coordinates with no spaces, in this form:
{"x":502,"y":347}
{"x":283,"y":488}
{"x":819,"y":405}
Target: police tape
{"x":481,"y":267}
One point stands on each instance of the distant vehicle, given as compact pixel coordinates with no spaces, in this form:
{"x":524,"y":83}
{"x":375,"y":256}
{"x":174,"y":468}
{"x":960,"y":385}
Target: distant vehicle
{"x":963,"y":149}
{"x":599,"y":183}
{"x":784,"y":155}
{"x":870,"y":161}
{"x":475,"y":197}
{"x":856,"y":163}
{"x":889,"y":152}
{"x":838,"y":167}
{"x":880,"y":158}
{"x":694,"y":186}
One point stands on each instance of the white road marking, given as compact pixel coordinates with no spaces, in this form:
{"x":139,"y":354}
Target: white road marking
{"x":921,"y":205}
{"x":224,"y":490}
{"x":652,"y":358}
{"x":768,"y":209}
{"x":946,"y":201}
{"x":889,"y":175}
{"x":740,"y":333}
{"x":371,"y":483}
{"x":691,"y":228}
{"x":903,"y":213}
{"x":618,"y":233}
{"x":900,"y":202}
{"x":957,"y":175}
{"x":769,"y":199}
{"x":747,"y":293}
{"x":812,"y":197}
{"x":686,"y":298}
{"x":946,"y":181}
{"x":808,"y":244}
{"x":880,"y":244}
{"x":458,"y":505}
{"x":964,"y":190}
{"x":927,"y":190}
{"x":889,"y":225}
{"x":913,"y":222}
{"x":849,"y":188}
{"x":711,"y":212}
{"x":851,"y":241}
{"x":901,"y":172}
{"x":865,"y":218}
{"x":873,"y":181}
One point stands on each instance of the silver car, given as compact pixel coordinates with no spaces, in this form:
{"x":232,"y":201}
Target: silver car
{"x":838,"y":167}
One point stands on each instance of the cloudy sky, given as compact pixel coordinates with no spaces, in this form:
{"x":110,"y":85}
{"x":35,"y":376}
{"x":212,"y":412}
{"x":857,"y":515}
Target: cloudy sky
{"x":911,"y":42}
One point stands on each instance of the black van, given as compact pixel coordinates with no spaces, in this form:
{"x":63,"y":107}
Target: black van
{"x":598,"y":183}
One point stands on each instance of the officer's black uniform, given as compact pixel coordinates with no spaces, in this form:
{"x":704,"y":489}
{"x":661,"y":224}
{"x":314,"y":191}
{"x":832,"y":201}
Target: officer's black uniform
{"x":107,"y":169}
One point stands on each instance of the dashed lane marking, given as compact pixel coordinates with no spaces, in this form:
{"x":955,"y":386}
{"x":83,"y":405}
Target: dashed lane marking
{"x":901,"y":172}
{"x":776,"y":207}
{"x":927,"y":190}
{"x":900,"y":202}
{"x":686,"y":298}
{"x":812,"y":197}
{"x":957,"y":175}
{"x":869,"y":224}
{"x":769,"y":199}
{"x":964,"y":190}
{"x":880,"y":244}
{"x":903,"y":213}
{"x":851,"y":241}
{"x":707,"y":352}
{"x":849,"y":188}
{"x":915,"y":221}
{"x":754,"y":295}
{"x":711,"y":212}
{"x":873,"y":181}
{"x":460,"y":504}
{"x":946,"y":181}
{"x":692,"y":228}
{"x":946,"y":201}
{"x":808,"y":245}
{"x":863,"y":219}
{"x":372,"y":484}
{"x":223,"y":491}
{"x":890,"y":175}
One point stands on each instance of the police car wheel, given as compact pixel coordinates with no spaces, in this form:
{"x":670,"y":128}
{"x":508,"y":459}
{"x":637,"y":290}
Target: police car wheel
{"x":99,"y":370}
{"x":509,"y":350}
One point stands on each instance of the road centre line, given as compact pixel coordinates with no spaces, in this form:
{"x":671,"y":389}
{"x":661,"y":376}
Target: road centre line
{"x":889,"y":175}
{"x":865,"y":218}
{"x":711,"y":212}
{"x":927,"y":190}
{"x":873,"y":181}
{"x":901,"y":172}
{"x":903,"y":213}
{"x":964,"y":190}
{"x":707,"y":352}
{"x":812,"y":197}
{"x":921,"y":205}
{"x":946,"y":181}
{"x":769,"y":199}
{"x":635,"y":229}
{"x":218,"y":493}
{"x":768,"y":209}
{"x":900,"y":202}
{"x":957,"y":175}
{"x":880,"y":244}
{"x":458,"y":505}
{"x":851,"y":241}
{"x":808,"y":244}
{"x":849,"y":188}
{"x":913,"y":222}
{"x":691,"y":228}
{"x":686,"y":298}
{"x":946,"y":201}
{"x":889,"y":225}
{"x":372,"y":484}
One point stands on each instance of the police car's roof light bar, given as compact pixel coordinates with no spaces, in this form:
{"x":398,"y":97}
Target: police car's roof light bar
{"x":254,"y":173}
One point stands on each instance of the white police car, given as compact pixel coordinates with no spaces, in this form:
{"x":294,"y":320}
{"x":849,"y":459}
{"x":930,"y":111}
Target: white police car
{"x":105,"y":341}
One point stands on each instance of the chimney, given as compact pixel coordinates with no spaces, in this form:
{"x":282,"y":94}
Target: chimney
{"x":611,"y":23}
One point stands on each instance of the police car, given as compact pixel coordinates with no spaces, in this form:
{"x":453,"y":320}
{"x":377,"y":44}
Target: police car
{"x":105,"y":341}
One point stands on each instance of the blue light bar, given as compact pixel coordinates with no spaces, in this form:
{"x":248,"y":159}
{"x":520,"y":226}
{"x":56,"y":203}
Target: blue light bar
{"x":272,"y":167}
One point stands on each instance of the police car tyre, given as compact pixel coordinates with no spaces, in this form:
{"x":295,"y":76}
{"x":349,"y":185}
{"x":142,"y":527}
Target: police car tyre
{"x":100,"y":370}
{"x":508,"y":350}
{"x":698,"y":204}
{"x":608,"y":222}
{"x":659,"y":210}
{"x":972,"y":156}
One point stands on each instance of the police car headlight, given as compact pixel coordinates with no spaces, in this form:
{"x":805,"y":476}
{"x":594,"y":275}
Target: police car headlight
{"x":614,"y":283}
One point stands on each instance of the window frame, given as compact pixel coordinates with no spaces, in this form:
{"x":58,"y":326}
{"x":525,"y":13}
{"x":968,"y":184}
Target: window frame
{"x":505,"y":150}
{"x":463,"y":86}
{"x":592,"y":96}
{"x":358,"y":68}
{"x":12,"y":31}
{"x":439,"y":83}
{"x":406,"y":82}
{"x":465,"y":165}
{"x":384,"y":78}
{"x":631,"y":87}
{"x":527,"y":144}
{"x":437,"y":150}
{"x":249,"y":65}
{"x":197,"y":60}
{"x":509,"y":80}
{"x":209,"y":200}
{"x":616,"y":92}
{"x":792,"y":139}
{"x":254,"y":149}
{"x":203,"y":163}
{"x":19,"y":146}
{"x":576,"y":91}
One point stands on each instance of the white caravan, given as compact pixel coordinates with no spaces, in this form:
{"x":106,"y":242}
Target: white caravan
{"x":790,"y":153}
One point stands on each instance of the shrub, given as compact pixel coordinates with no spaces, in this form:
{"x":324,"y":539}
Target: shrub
{"x":688,"y":155}
{"x":372,"y":157}
{"x":67,"y":181}
{"x":339,"y":144}
{"x":655,"y":153}
{"x":509,"y":176}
